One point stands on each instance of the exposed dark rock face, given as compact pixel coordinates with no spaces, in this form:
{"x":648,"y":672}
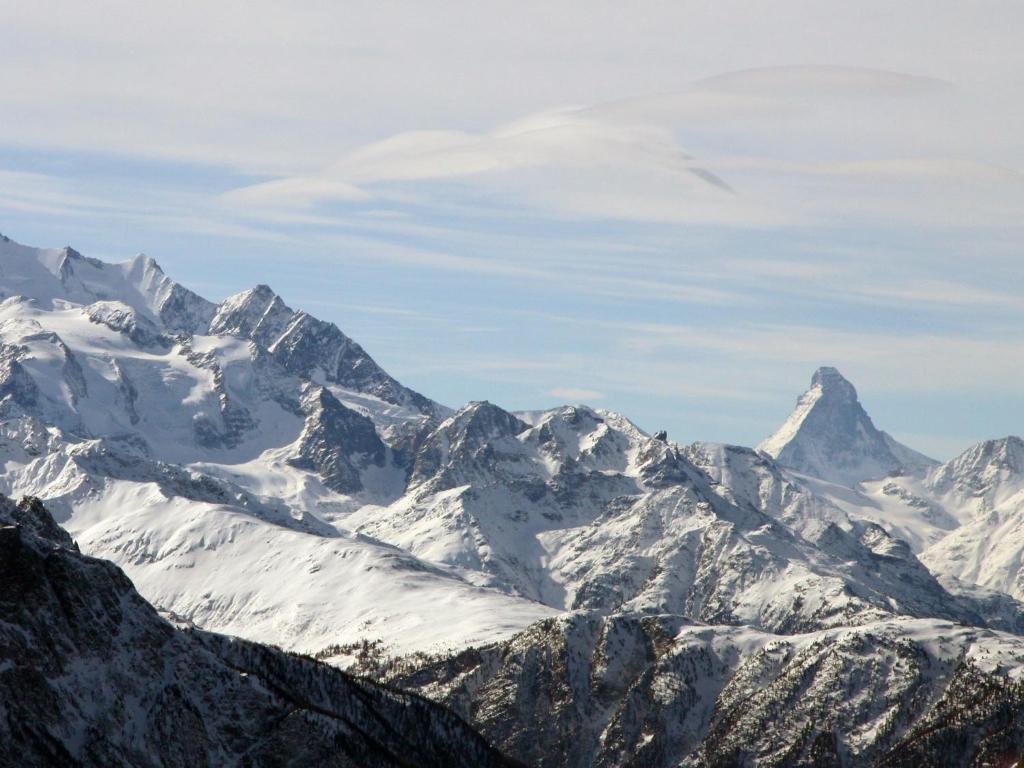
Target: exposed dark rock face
{"x":467,"y":445}
{"x":178,"y":309}
{"x":306,"y":346}
{"x":660,"y":691}
{"x":336,"y":442}
{"x":91,"y":675}
{"x":124,"y":319}
{"x":979,"y":721}
{"x":17,"y":387}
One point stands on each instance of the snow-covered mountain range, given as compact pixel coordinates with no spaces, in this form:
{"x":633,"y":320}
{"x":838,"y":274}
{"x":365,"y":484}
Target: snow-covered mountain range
{"x":91,"y":675}
{"x":256,"y":473}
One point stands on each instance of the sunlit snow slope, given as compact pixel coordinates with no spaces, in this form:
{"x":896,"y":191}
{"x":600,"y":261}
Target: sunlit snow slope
{"x":256,"y":472}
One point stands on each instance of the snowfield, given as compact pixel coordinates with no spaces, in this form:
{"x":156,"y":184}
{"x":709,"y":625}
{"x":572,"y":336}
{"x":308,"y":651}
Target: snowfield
{"x":256,"y":473}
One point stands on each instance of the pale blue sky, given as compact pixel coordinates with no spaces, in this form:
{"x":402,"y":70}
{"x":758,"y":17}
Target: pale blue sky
{"x":675,"y":210}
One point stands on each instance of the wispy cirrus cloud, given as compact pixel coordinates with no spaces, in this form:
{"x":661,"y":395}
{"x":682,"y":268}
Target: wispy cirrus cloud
{"x":443,"y":180}
{"x":626,"y":160}
{"x":297,"y":191}
{"x":576,"y":394}
{"x":566,"y":161}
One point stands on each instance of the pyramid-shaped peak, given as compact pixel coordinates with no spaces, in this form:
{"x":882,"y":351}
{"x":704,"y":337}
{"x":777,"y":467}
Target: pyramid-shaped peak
{"x":258,"y":293}
{"x":832,"y":382}
{"x":258,"y":298}
{"x":257,"y":313}
{"x":829,"y":435}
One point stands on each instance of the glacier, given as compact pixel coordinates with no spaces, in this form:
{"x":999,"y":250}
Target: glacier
{"x":256,"y":473}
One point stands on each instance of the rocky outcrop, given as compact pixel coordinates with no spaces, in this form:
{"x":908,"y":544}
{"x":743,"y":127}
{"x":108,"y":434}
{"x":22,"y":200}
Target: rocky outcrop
{"x":336,"y":442}
{"x":661,"y":691}
{"x":310,"y":348}
{"x":121,"y":318}
{"x":91,"y":675}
